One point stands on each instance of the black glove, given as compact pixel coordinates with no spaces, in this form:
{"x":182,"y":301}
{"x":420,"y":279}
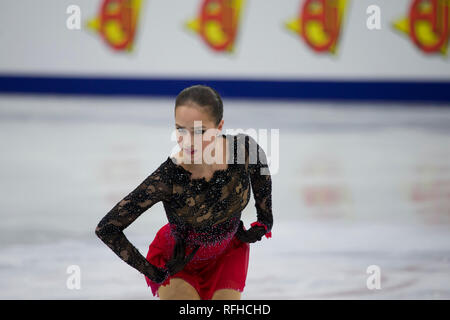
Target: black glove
{"x":251,"y":235}
{"x":179,"y":260}
{"x":175,"y":264}
{"x":158,"y":275}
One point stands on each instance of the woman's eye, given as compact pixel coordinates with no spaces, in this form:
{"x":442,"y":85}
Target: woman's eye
{"x":184,"y":131}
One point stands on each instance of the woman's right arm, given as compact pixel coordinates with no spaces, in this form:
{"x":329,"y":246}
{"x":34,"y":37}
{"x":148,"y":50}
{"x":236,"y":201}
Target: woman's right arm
{"x":153,"y":189}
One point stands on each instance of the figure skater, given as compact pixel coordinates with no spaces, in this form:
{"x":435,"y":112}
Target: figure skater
{"x":203,"y":250}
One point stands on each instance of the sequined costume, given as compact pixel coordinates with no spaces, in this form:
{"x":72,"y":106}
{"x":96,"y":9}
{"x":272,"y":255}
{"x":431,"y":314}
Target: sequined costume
{"x":203,"y":212}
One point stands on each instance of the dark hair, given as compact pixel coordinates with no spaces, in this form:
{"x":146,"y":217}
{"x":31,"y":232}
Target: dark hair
{"x":202,"y":96}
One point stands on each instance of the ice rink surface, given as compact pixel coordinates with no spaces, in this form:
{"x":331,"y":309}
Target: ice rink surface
{"x":356,"y":185}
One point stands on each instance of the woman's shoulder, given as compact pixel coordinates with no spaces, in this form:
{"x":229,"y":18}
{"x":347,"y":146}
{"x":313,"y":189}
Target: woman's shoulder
{"x":164,"y":172}
{"x":239,"y":146}
{"x":244,"y":143}
{"x":172,"y":171}
{"x":243,"y":137}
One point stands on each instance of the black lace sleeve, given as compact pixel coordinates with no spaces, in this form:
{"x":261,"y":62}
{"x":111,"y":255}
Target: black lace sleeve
{"x":154,"y":188}
{"x":261,"y":183}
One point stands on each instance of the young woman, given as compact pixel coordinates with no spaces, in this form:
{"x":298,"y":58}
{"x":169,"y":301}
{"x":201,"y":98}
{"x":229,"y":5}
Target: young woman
{"x":203,"y":250}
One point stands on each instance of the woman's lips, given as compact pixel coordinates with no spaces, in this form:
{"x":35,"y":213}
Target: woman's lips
{"x":189,"y":151}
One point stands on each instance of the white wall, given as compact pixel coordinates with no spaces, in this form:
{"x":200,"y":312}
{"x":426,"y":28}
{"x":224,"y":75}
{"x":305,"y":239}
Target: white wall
{"x":34,"y":39}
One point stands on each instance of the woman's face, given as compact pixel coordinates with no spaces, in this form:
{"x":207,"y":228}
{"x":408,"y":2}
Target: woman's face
{"x":195,"y":130}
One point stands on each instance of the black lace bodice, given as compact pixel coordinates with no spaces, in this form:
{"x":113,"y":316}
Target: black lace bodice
{"x":201,"y":211}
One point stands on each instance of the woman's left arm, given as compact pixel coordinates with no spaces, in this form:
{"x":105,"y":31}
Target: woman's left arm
{"x":261,"y":182}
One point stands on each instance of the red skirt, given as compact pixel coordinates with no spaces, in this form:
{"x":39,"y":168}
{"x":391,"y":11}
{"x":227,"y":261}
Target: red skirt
{"x":222,"y":266}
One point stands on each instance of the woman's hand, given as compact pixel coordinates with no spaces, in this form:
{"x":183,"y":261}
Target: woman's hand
{"x":176,"y":263}
{"x":158,"y":275}
{"x":179,"y":260}
{"x":251,"y":235}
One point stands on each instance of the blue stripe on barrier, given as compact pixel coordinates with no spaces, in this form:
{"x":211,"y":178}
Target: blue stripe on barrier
{"x":401,"y":90}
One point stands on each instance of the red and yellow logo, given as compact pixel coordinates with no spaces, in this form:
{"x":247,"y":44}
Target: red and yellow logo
{"x":217,"y":23}
{"x":116,"y":23}
{"x":427,"y":25}
{"x":319,"y":23}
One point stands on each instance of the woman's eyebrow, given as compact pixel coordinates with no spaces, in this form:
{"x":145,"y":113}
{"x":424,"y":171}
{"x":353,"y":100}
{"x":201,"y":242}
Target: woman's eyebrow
{"x":203,"y":126}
